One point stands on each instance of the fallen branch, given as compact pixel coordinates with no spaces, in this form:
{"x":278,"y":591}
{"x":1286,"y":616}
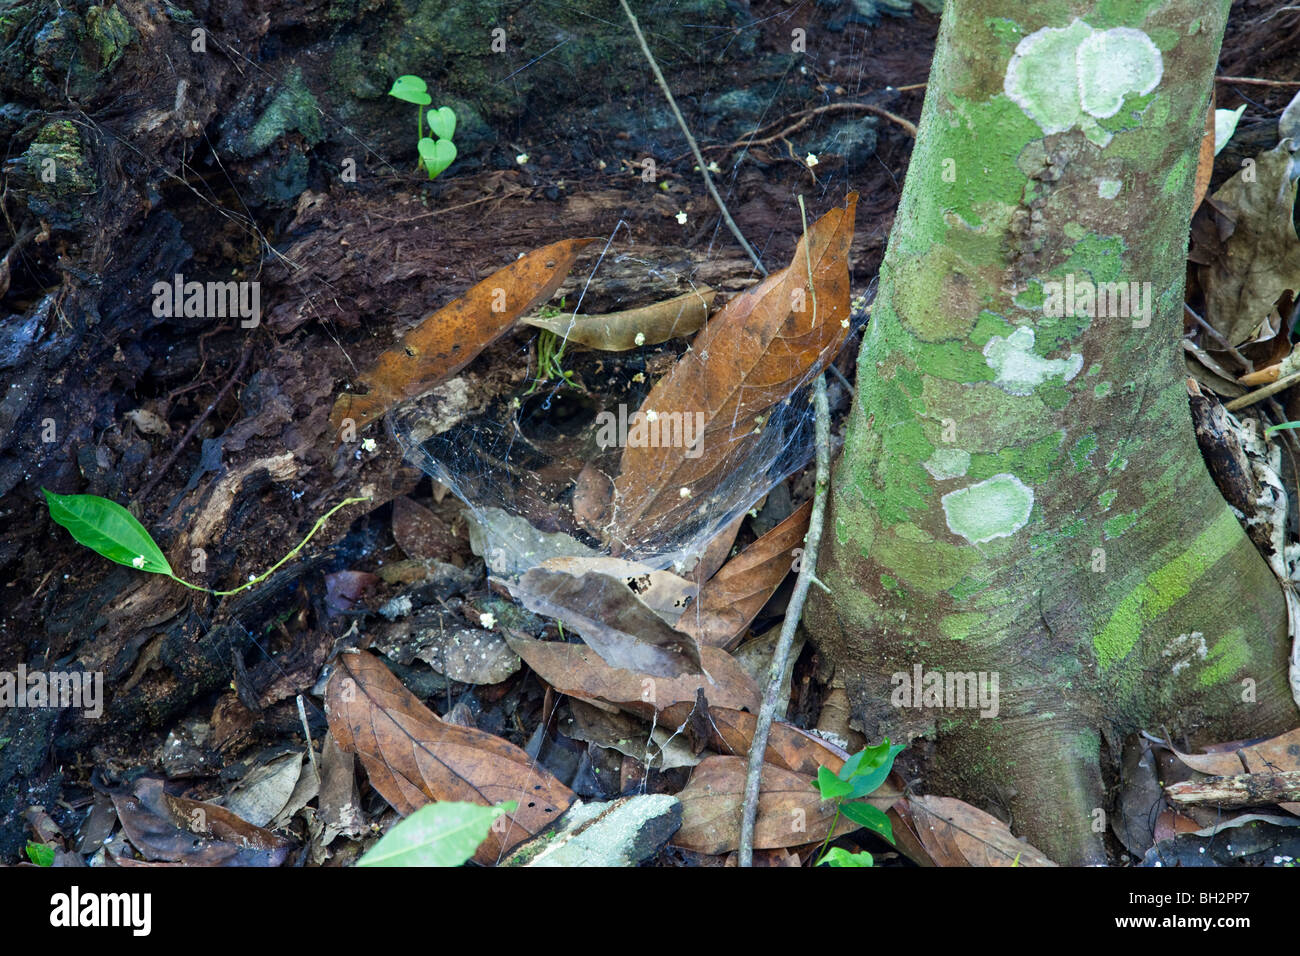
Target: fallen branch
{"x":1240,"y":790}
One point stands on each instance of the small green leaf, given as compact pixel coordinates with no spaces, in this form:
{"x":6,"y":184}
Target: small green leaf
{"x":870,"y":817}
{"x":1277,"y":428}
{"x":437,"y":834}
{"x":870,"y":772}
{"x":41,"y":854}
{"x":425,"y":148}
{"x":442,"y":121}
{"x":410,"y":89}
{"x":832,"y":786}
{"x":107,"y":528}
{"x":444,"y":154}
{"x":838,"y":856}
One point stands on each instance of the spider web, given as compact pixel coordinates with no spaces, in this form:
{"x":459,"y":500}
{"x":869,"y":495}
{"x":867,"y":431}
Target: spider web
{"x":519,"y":465}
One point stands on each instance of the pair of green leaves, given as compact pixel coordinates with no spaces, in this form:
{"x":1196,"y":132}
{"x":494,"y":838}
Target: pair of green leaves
{"x":438,"y":151}
{"x":861,"y":775}
{"x":437,"y":834}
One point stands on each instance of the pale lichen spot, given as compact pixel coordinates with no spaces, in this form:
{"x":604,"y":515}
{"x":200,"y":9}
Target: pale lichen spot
{"x":1108,"y":188}
{"x":996,"y":507}
{"x":1019,"y":368}
{"x":1107,"y":65}
{"x":947,"y":463}
{"x":1186,"y":649}
{"x":1114,"y":63}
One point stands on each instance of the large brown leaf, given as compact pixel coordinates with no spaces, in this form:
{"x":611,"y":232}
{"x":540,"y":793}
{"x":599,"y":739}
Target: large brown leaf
{"x":758,"y":349}
{"x":578,"y":671}
{"x":733,"y":597}
{"x":791,"y":812}
{"x":413,"y":757}
{"x":449,"y":339}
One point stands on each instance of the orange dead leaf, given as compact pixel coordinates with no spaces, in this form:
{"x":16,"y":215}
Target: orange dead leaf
{"x":450,"y":338}
{"x":758,"y":349}
{"x":733,"y":597}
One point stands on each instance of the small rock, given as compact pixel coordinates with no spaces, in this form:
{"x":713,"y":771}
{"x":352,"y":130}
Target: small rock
{"x":623,"y":832}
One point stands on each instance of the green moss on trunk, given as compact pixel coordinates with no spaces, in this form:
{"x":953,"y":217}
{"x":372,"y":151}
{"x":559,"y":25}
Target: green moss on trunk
{"x":1051,"y":525}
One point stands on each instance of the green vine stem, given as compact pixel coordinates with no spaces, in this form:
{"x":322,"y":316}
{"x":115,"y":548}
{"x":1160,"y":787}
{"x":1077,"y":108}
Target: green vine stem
{"x":288,"y":557}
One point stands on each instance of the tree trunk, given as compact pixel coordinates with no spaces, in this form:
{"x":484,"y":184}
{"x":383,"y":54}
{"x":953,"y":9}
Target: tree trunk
{"x":1021,"y":493}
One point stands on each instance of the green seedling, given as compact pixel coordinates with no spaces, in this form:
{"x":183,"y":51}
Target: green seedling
{"x":550,"y":353}
{"x":110,"y":530}
{"x":860,"y":776}
{"x":42,"y":854}
{"x":437,"y":151}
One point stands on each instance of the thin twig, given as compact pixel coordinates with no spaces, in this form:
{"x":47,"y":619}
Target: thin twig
{"x":695,"y":147}
{"x":1253,"y":81}
{"x":776,"y":673}
{"x":1246,"y":363}
{"x":803,"y":118}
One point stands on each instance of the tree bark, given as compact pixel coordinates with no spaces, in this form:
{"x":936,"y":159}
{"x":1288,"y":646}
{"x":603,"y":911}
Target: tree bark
{"x":1020,"y":493}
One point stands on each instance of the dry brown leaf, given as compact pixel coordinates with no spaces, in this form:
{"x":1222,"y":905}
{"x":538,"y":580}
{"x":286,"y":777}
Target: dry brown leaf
{"x":420,"y":533}
{"x":413,"y":757}
{"x":730,"y":732}
{"x":449,"y":339}
{"x":956,"y":834}
{"x":791,"y":811}
{"x":611,"y":619}
{"x":665,"y":593}
{"x":732,"y":598}
{"x":757,"y":350}
{"x":617,"y":332}
{"x":1205,"y":162}
{"x":578,"y":671}
{"x":1251,"y":257}
{"x":715,"y":552}
{"x":163,"y":827}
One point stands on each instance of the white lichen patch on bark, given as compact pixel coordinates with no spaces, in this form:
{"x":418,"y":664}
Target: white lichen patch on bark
{"x":1185,"y":649}
{"x":947,"y":463}
{"x":1108,"y":188}
{"x":1107,"y":65}
{"x":1019,"y":368}
{"x":996,"y":507}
